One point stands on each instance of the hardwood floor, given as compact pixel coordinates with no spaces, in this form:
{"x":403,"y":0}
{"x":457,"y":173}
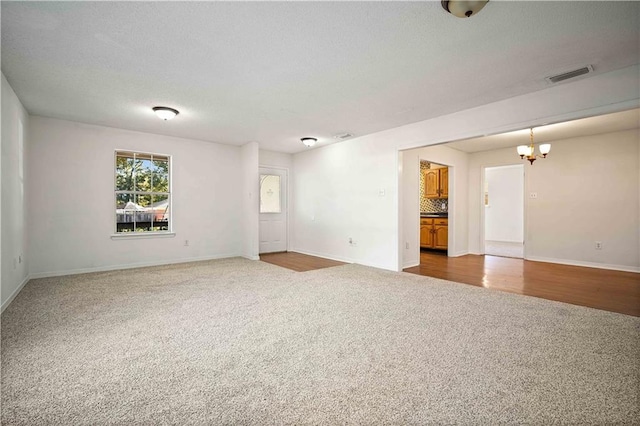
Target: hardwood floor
{"x":298,"y":262}
{"x":613,"y":291}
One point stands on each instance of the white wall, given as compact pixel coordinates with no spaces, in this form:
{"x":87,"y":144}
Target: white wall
{"x":71,"y":199}
{"x":275,"y":159}
{"x":250,"y":193}
{"x":410,"y":202}
{"x":347,"y":191}
{"x":337,"y":186}
{"x":14,"y":273}
{"x":587,"y":191}
{"x":504,"y":215}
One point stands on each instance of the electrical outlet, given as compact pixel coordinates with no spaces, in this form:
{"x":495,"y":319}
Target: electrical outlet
{"x":598,"y":245}
{"x":186,"y":243}
{"x":382,"y":192}
{"x":533,"y":195}
{"x":352,"y":243}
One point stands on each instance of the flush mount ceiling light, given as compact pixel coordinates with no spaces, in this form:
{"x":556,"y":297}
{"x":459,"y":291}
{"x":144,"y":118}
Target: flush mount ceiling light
{"x":309,"y":141}
{"x":527,"y":152}
{"x":462,"y":8}
{"x":165,"y":113}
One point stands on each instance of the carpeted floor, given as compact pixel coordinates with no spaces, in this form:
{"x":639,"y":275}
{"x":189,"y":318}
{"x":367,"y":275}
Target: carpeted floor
{"x":239,"y":342}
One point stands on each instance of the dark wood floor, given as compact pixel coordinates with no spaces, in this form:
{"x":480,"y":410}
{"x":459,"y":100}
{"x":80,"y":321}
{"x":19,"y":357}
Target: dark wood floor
{"x":613,"y":291}
{"x":298,"y":262}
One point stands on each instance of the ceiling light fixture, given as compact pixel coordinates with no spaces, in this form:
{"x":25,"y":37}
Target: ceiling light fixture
{"x":462,"y":8}
{"x":165,"y":113}
{"x":527,"y":152}
{"x":309,"y":142}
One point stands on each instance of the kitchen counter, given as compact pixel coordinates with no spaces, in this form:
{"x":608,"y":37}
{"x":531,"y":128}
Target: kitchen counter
{"x":435,"y":214}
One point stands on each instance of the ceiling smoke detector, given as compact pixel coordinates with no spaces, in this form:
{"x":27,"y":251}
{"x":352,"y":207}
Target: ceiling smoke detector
{"x":569,"y":74}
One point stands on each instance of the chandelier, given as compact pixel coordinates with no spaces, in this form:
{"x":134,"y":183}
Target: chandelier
{"x":528,"y":152}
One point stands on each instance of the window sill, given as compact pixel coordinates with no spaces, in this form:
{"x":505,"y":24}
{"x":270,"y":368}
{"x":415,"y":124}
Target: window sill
{"x":142,"y":235}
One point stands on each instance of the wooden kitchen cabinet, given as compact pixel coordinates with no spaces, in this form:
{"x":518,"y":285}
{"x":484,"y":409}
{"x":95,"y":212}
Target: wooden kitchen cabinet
{"x":426,"y":236}
{"x":434,"y":233}
{"x":431,"y":183}
{"x":436,"y":183}
{"x":441,"y":234}
{"x":444,"y":182}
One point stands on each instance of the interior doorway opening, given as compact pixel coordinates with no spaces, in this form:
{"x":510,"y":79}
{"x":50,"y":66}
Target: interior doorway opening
{"x":434,"y":207}
{"x":503,"y":204}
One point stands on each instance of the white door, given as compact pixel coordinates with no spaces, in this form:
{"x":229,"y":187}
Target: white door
{"x":273,"y":210}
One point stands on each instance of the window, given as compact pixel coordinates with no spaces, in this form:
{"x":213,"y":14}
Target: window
{"x":270,"y":194}
{"x":142,"y":192}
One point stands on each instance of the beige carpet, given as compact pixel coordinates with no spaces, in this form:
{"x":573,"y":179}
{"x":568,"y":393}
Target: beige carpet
{"x":241,"y":342}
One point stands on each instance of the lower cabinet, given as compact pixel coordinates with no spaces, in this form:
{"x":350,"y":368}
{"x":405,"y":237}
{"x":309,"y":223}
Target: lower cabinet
{"x":434,"y":233}
{"x":426,"y":234}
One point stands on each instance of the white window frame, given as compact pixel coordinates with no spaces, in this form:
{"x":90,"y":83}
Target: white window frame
{"x":146,"y":234}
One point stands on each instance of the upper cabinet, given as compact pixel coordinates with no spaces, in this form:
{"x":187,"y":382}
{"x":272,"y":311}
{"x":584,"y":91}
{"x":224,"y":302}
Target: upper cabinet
{"x":436,"y":183}
{"x":431,"y":183}
{"x":444,"y":182}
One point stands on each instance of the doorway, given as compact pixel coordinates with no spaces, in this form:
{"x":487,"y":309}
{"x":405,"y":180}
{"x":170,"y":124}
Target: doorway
{"x":504,"y":211}
{"x":273,"y":210}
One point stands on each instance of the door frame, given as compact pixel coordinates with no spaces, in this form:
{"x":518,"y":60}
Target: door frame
{"x":287,"y":204}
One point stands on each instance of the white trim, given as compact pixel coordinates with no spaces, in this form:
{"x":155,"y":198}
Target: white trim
{"x":252,"y":257}
{"x":622,"y":268}
{"x":142,"y":235}
{"x":506,"y":241}
{"x":326,"y":256}
{"x":459,"y":253}
{"x":131,"y":266}
{"x":410,"y":265}
{"x":14,"y":294}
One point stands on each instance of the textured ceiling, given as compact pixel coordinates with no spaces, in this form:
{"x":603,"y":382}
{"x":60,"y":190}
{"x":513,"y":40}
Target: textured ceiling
{"x":608,"y":123}
{"x":273,"y":72}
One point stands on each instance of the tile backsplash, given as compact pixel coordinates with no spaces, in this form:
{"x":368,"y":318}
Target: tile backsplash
{"x":427,"y":204}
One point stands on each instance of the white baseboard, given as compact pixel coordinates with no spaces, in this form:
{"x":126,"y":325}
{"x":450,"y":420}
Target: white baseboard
{"x":459,"y":253}
{"x":130,"y":266}
{"x":623,"y":268}
{"x":14,"y":294}
{"x":410,"y":264}
{"x":252,"y":257}
{"x":323,"y":255}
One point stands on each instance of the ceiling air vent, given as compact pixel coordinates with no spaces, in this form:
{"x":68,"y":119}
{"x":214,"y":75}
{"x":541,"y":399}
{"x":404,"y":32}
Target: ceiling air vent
{"x":570,"y":74}
{"x":342,"y":136}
